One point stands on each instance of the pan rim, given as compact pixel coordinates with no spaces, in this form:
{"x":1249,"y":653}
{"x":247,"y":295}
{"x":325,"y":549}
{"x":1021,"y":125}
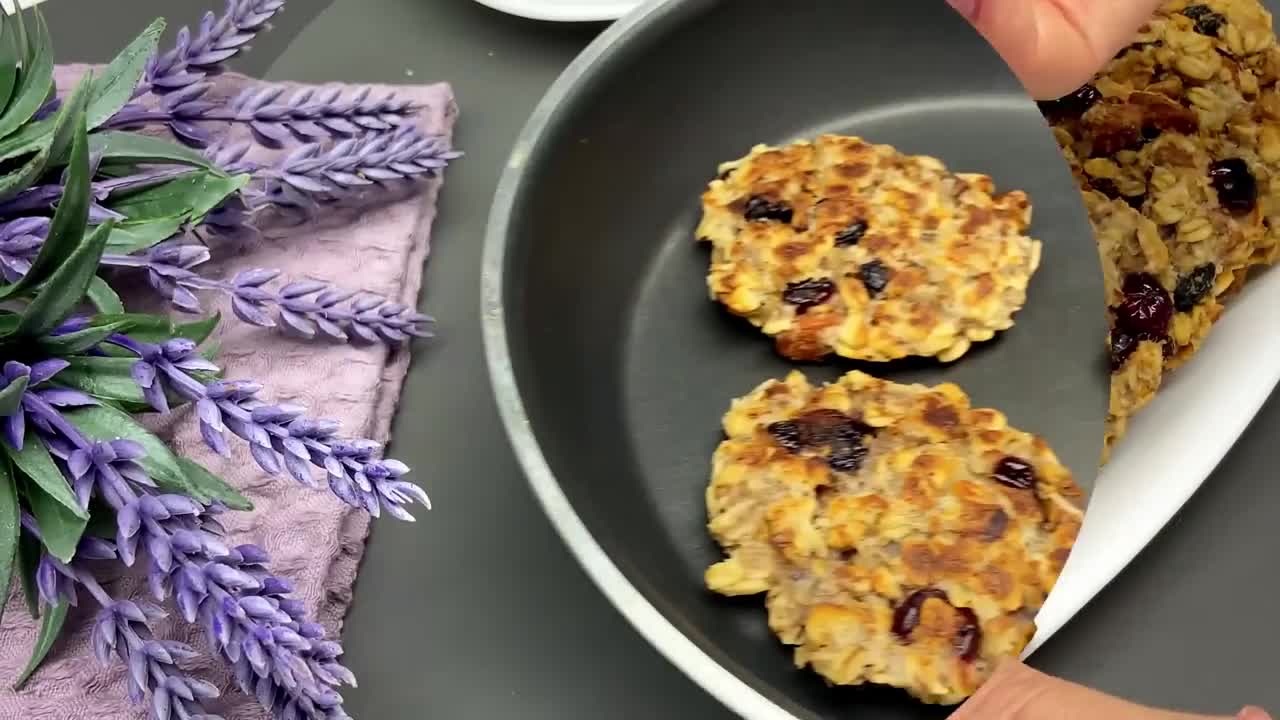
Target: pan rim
{"x":681,"y":651}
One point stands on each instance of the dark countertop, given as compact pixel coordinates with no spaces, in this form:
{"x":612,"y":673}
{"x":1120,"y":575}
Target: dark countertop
{"x":477,"y":611}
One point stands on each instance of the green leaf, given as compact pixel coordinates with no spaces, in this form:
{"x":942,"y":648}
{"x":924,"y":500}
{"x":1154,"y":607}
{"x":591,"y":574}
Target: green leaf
{"x":105,"y":378}
{"x":60,"y":529}
{"x":188,"y":196}
{"x":212,"y":486}
{"x":66,"y":288}
{"x":10,"y":531}
{"x":11,"y":395}
{"x":199,"y":330}
{"x":29,"y":550}
{"x":50,"y":629}
{"x":67,"y":229}
{"x":33,"y":137}
{"x":115,"y":87}
{"x":125,"y":147}
{"x":102,"y":296}
{"x":8,"y":59}
{"x":130,"y":237}
{"x":158,"y":328}
{"x":76,"y":342}
{"x":105,"y":423}
{"x":22,"y":178}
{"x":169,"y":471}
{"x":35,"y":463}
{"x":35,"y":78}
{"x":70,"y":118}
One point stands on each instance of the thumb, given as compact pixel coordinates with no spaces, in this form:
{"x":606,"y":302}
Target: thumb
{"x":1017,"y":692}
{"x":1055,"y":46}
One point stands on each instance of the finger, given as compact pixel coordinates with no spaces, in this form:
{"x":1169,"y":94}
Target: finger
{"x":1017,"y":692}
{"x":1055,"y":46}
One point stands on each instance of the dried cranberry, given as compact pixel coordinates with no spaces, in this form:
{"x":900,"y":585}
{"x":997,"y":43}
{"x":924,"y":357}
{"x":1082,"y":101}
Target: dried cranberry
{"x":874,"y":276}
{"x":1015,"y":473}
{"x":1071,"y":106}
{"x":844,"y":434}
{"x":1106,"y":186}
{"x":1193,"y":286}
{"x":852,"y":234}
{"x":848,"y":456}
{"x":906,"y":617}
{"x":1122,"y":346}
{"x":1146,"y":308}
{"x":807,"y":293}
{"x":825,"y":426}
{"x":968,"y":639}
{"x":788,"y":434}
{"x":1207,"y":21}
{"x":762,"y":208}
{"x":1237,"y":188}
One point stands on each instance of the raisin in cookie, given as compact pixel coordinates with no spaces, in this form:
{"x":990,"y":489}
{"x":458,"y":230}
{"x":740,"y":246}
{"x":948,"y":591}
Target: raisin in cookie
{"x":1176,"y":146}
{"x":900,"y":536}
{"x":841,"y":246}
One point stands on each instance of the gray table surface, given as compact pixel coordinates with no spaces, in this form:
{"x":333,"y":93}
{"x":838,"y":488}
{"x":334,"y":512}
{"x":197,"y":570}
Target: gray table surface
{"x":478,"y":611}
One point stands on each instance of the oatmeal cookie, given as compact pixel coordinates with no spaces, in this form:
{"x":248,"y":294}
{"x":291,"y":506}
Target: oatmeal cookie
{"x":842,"y":246}
{"x":900,"y":536}
{"x":1176,"y":146}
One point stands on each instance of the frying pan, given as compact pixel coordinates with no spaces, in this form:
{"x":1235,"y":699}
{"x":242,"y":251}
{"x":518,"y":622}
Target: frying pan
{"x":612,"y":367}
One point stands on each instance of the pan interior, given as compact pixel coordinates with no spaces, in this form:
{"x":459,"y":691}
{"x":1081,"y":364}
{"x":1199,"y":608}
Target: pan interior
{"x":623,"y":364}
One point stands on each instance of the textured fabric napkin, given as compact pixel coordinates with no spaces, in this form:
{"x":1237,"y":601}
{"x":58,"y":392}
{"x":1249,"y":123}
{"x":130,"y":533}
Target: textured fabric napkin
{"x":314,"y":540}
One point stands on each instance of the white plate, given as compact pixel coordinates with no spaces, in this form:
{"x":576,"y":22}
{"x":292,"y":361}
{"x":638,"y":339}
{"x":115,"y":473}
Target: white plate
{"x":565,"y":10}
{"x":1172,"y":446}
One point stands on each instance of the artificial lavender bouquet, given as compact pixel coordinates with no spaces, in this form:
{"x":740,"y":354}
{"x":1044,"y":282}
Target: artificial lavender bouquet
{"x":88,"y":205}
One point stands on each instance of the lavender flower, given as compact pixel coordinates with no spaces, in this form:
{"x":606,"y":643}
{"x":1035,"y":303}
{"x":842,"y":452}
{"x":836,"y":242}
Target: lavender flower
{"x":279,"y":436}
{"x":273,"y":116}
{"x":179,"y":77}
{"x":44,"y":198}
{"x":276,"y":653}
{"x":20,"y":242}
{"x":39,"y":392}
{"x":306,"y":308}
{"x":315,"y":174}
{"x":219,"y":39}
{"x":123,"y":627}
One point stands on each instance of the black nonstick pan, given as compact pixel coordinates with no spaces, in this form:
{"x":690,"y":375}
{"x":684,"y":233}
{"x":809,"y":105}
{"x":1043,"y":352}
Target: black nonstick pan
{"x":612,"y":367}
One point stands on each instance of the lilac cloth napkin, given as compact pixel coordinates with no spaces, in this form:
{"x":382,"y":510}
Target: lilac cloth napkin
{"x":314,"y":540}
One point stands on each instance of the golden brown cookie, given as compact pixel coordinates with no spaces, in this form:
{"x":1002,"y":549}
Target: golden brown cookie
{"x":1176,"y":146}
{"x":900,"y":536}
{"x":841,"y":246}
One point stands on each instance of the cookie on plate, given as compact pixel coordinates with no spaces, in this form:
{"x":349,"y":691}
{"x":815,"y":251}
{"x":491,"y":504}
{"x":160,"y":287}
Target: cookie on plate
{"x":900,"y":536}
{"x":839,"y":246}
{"x":1176,"y":146}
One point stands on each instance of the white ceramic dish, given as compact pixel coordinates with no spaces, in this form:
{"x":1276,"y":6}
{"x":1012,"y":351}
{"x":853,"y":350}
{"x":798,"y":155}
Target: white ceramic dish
{"x":1172,"y":447}
{"x":565,"y":10}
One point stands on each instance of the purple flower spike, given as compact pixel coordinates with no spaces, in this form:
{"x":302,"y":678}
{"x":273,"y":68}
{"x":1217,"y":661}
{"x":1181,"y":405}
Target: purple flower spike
{"x":307,"y":308}
{"x":218,"y":39}
{"x":280,"y":437}
{"x":316,"y":174}
{"x":121,"y":629}
{"x":20,"y":242}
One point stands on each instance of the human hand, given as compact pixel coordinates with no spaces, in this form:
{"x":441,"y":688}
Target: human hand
{"x":1016,"y":692}
{"x":1055,"y":46}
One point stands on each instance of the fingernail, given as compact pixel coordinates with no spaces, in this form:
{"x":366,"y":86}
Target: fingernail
{"x":1253,"y":713}
{"x":967,"y":8}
